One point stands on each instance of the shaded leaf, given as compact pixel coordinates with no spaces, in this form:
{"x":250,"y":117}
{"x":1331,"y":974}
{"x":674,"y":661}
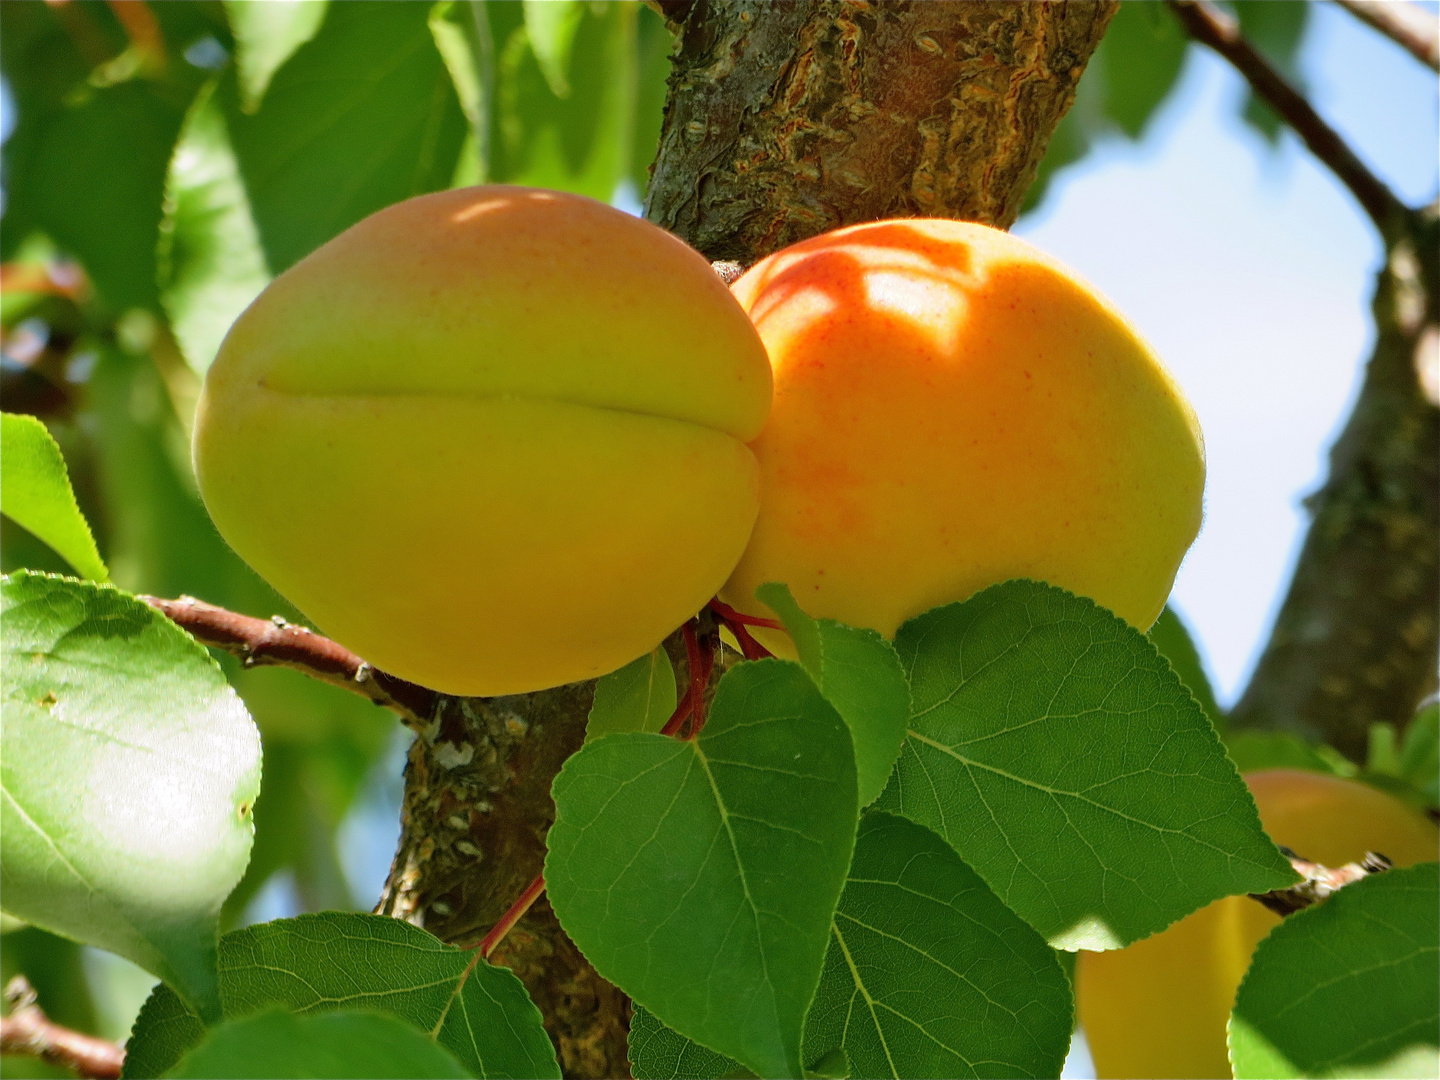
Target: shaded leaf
{"x":639,"y":697}
{"x":700,"y":876}
{"x":1278,"y":31}
{"x":266,"y":35}
{"x":1348,"y":987}
{"x":1420,"y":752}
{"x":211,"y":265}
{"x":550,"y":26}
{"x":129,"y":771}
{"x":1058,"y":753}
{"x":1255,"y":750}
{"x":1173,"y":639}
{"x":336,"y":960}
{"x":929,"y":974}
{"x":162,"y":1032}
{"x":342,"y":1044}
{"x":581,"y":142}
{"x":858,"y":672}
{"x":653,"y":44}
{"x":361,"y":116}
{"x":35,"y":492}
{"x":661,"y":1053}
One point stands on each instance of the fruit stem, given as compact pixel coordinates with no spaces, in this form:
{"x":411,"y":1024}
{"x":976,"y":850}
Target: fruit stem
{"x":733,"y":618}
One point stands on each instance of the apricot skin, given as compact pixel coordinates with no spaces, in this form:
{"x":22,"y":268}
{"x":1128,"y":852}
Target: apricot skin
{"x":1159,"y":1008}
{"x":952,"y":409}
{"x":491,"y":439}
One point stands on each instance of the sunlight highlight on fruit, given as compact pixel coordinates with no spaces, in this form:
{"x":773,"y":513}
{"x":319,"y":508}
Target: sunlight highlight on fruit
{"x":954,"y":408}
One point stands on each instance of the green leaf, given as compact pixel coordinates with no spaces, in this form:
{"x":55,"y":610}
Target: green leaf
{"x":361,"y":116}
{"x":1139,"y":61}
{"x":638,"y":697}
{"x":551,"y":25}
{"x":661,"y":1053}
{"x":1172,"y":638}
{"x":342,"y":1044}
{"x":163,"y":1031}
{"x":337,"y":959}
{"x":581,"y":142}
{"x":1420,"y":752}
{"x":653,"y":44}
{"x":35,"y":492}
{"x":211,"y":265}
{"x":462,"y":35}
{"x":859,"y":673}
{"x":266,"y":35}
{"x":1348,"y":987}
{"x":95,"y":180}
{"x":929,"y":974}
{"x":1255,"y":750}
{"x":1278,"y":31}
{"x":700,"y":876}
{"x":129,"y":771}
{"x":1059,"y":754}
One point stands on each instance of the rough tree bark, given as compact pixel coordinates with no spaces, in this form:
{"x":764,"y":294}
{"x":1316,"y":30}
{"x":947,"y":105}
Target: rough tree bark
{"x":1355,"y":641}
{"x":784,"y":119}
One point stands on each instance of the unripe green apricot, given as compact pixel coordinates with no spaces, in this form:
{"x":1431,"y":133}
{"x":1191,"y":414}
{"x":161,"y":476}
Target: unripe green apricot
{"x":491,"y":439}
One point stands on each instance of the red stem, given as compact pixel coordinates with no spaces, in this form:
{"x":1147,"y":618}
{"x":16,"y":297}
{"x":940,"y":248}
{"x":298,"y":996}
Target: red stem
{"x":515,"y":914}
{"x":734,"y":618}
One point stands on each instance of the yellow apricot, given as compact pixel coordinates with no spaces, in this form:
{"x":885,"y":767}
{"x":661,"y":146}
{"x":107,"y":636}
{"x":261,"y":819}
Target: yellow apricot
{"x":954,"y":408}
{"x":1159,"y":1008}
{"x":491,"y":439}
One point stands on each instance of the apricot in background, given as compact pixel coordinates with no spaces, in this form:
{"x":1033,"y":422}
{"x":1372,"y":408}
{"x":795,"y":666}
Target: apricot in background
{"x":954,"y":408}
{"x":491,"y":439}
{"x":1159,"y":1008}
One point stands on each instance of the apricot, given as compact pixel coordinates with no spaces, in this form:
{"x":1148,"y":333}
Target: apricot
{"x":954,"y":408}
{"x":491,"y":439}
{"x":1159,"y":1008}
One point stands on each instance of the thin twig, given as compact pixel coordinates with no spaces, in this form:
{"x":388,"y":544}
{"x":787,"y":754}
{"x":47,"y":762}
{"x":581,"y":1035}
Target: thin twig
{"x":277,"y":643}
{"x":1413,"y":29}
{"x":1320,"y":881}
{"x":1222,"y":33}
{"x":29,"y":1032}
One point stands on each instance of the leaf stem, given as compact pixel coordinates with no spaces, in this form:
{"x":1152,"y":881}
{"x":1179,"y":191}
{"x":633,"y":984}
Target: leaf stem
{"x":510,"y":918}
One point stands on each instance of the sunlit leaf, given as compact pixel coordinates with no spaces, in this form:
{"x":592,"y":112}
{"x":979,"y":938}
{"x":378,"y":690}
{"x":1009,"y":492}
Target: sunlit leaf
{"x":700,"y":876}
{"x":1347,"y":988}
{"x":858,"y":672}
{"x":266,"y":35}
{"x":1059,"y":754}
{"x":35,"y":492}
{"x":129,"y":772}
{"x":639,"y":697}
{"x":336,"y":960}
{"x":211,"y":265}
{"x":929,"y":974}
{"x":361,"y":116}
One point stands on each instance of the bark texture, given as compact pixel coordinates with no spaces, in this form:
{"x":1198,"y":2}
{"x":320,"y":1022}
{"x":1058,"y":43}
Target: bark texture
{"x":1356,"y":639}
{"x":784,"y":119}
{"x":788,"y":119}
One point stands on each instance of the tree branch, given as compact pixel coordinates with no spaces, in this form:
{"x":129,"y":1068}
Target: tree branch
{"x":1222,"y":33}
{"x":274,"y":642}
{"x":27,"y":1031}
{"x":1414,"y":30}
{"x":1320,"y":882}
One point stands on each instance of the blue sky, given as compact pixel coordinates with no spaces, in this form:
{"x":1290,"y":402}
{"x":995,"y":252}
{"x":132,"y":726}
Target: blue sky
{"x":1250,"y":270}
